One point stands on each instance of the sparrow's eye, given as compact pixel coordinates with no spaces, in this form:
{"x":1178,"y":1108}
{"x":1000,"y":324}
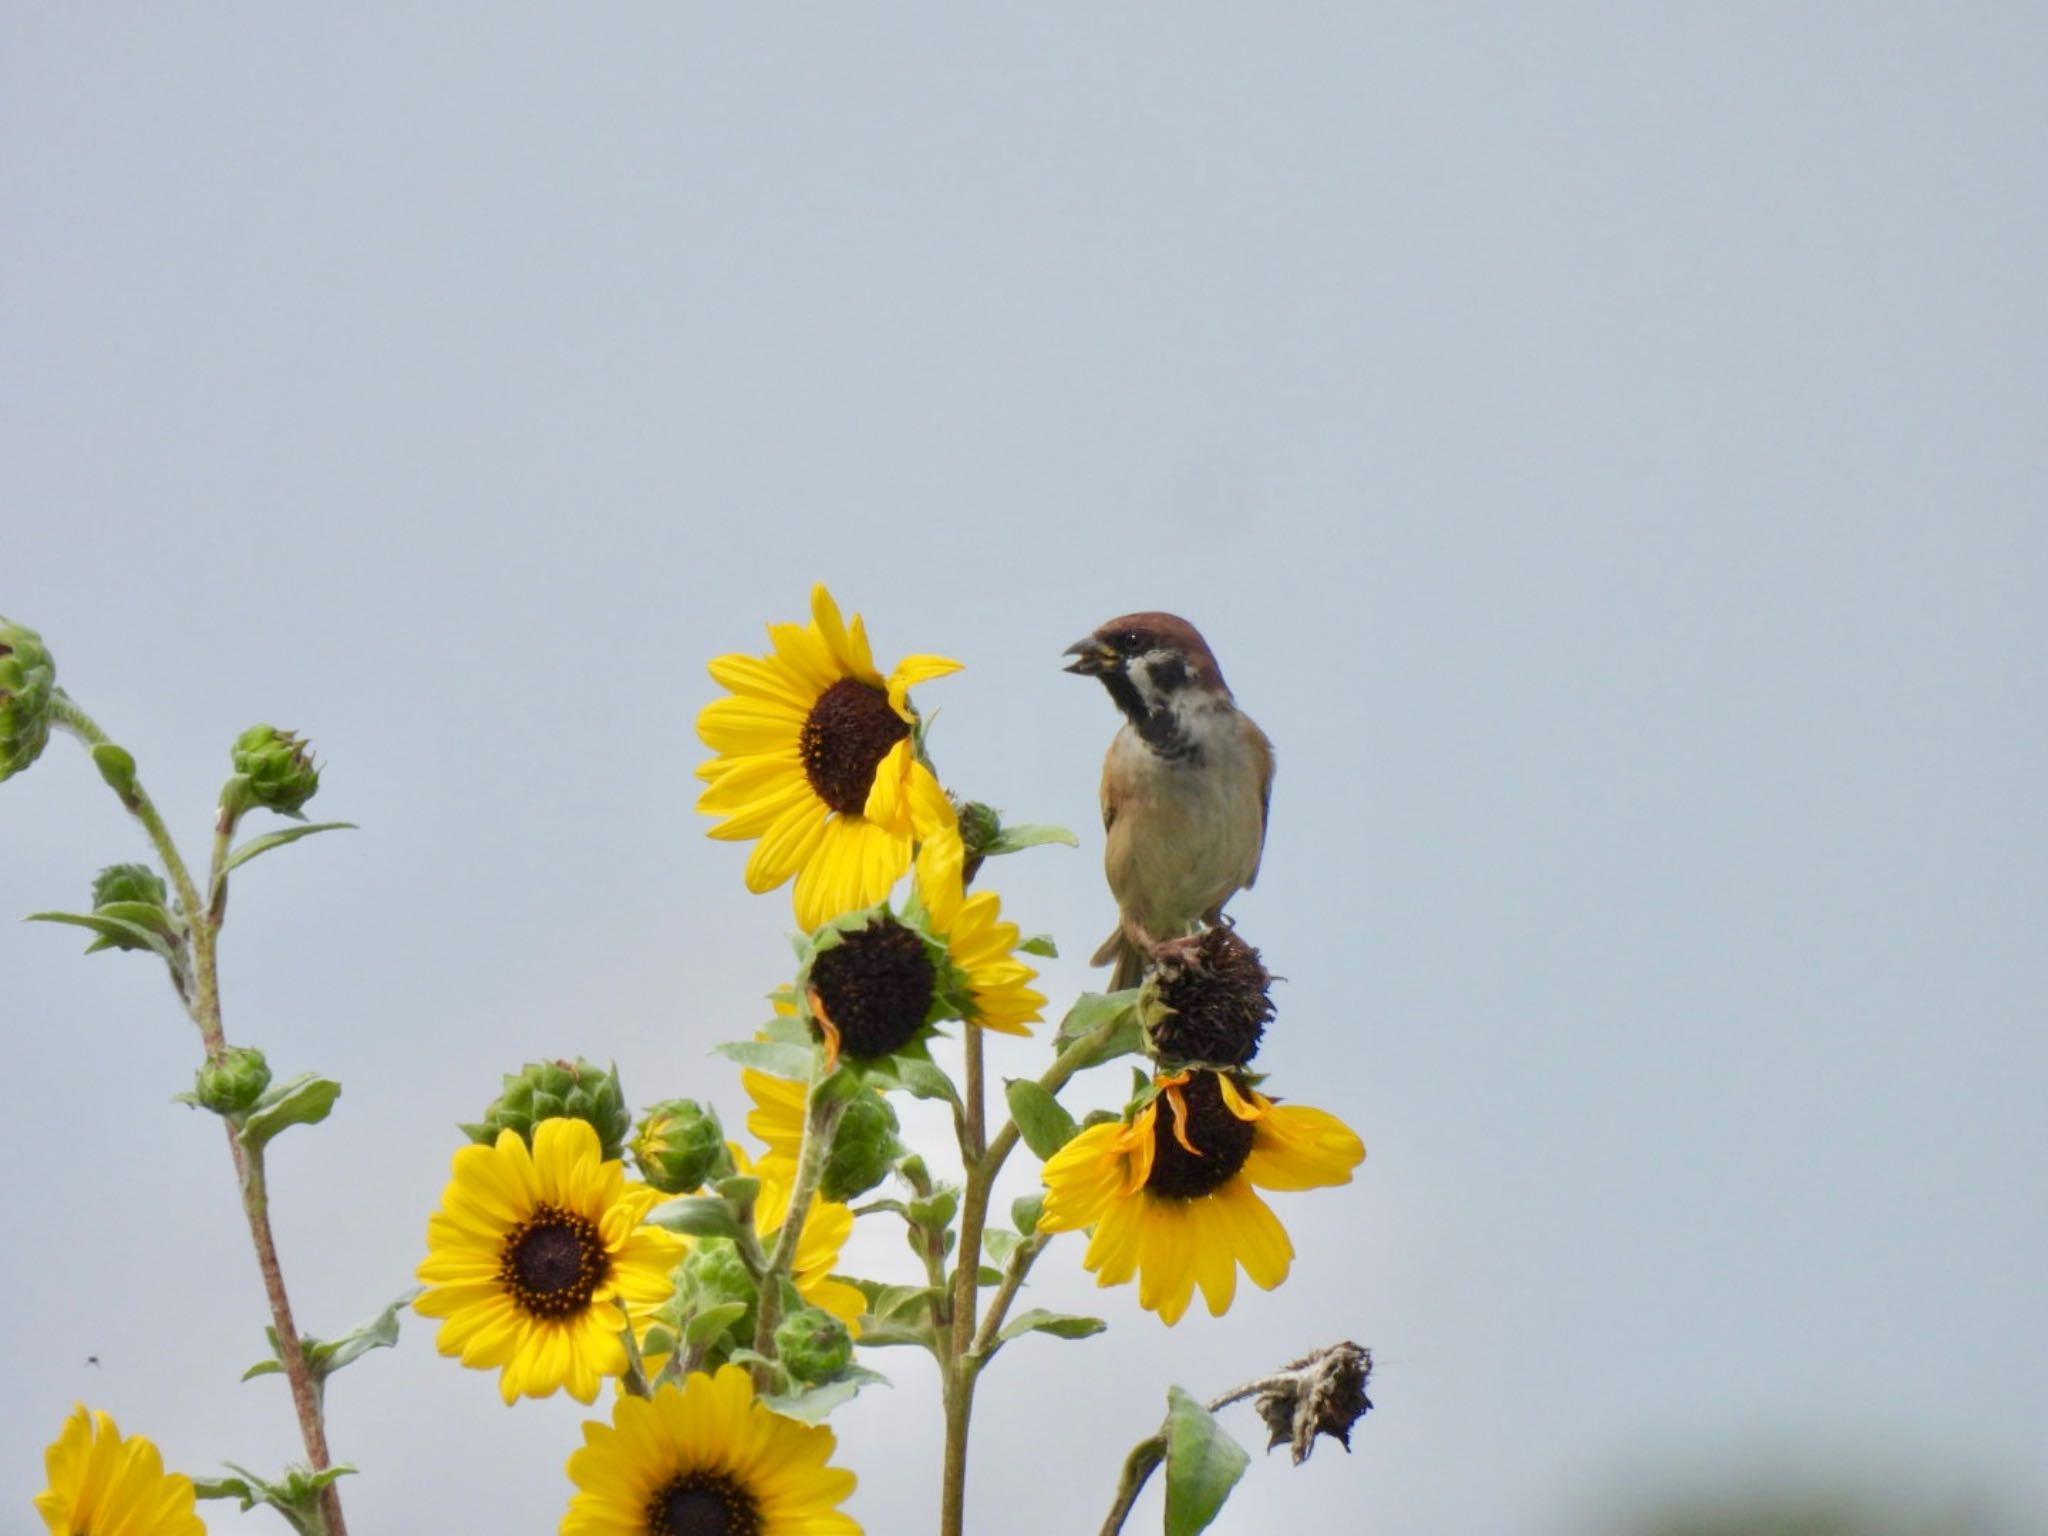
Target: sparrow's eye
{"x":1130,"y":642}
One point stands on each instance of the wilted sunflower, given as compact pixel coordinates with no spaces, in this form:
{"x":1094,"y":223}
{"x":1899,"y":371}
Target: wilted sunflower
{"x":1171,"y":1195}
{"x":706,"y":1459}
{"x":978,"y":941}
{"x":537,"y":1258}
{"x":103,"y":1485}
{"x":816,"y":759}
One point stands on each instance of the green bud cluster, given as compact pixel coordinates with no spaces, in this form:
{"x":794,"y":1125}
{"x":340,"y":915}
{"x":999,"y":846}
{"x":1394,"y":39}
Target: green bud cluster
{"x":863,"y":1151}
{"x":232,"y":1082}
{"x":714,"y":1276}
{"x":681,"y":1147}
{"x":278,"y":766}
{"x":813,"y":1345}
{"x":129,"y":882}
{"x":550,"y":1090}
{"x":28,"y":685}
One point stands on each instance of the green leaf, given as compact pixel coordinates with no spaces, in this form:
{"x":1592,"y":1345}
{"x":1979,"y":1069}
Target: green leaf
{"x":698,"y":1216}
{"x":899,"y":1301}
{"x":1202,"y":1465}
{"x":739,"y":1189}
{"x":270,"y":840}
{"x":1061,"y":1325}
{"x":144,"y":914}
{"x":876,"y":1334}
{"x":117,"y":768}
{"x":812,"y":1407}
{"x":1040,"y":944}
{"x":999,"y":1243}
{"x":712,"y":1321}
{"x":1119,"y":1011}
{"x":1043,"y":1124}
{"x":786,"y":1029}
{"x":1025,"y":1211}
{"x":305,"y":1100}
{"x":920,"y":1077}
{"x":380,"y":1332}
{"x":937,"y":1209}
{"x":296,"y":1497}
{"x":115,"y":931}
{"x":774,"y":1057}
{"x":1026,"y":835}
{"x":223,"y":1488}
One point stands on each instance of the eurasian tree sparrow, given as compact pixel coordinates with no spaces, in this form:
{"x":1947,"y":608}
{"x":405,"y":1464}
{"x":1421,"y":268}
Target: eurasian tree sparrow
{"x":1185,"y":786}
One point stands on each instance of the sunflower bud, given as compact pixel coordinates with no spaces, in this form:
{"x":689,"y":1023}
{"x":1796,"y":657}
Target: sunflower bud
{"x":129,"y":882}
{"x":681,"y":1147}
{"x":548,"y":1090}
{"x":1207,"y":1000}
{"x":814,"y":1345}
{"x":980,"y":826}
{"x":863,"y":1151}
{"x":1319,"y":1394}
{"x":232,"y":1082}
{"x":712,"y":1276}
{"x":28,"y":681}
{"x":279,"y":767}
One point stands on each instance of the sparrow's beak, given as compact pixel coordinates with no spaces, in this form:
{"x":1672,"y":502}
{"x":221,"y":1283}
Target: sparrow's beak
{"x":1091,"y":658}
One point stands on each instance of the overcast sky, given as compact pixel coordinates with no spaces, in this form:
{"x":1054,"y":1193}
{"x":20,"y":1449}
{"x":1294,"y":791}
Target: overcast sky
{"x":1604,"y":446}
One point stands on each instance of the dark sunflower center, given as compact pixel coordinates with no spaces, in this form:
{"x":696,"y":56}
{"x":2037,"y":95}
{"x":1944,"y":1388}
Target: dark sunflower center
{"x":703,"y":1504}
{"x":848,"y":731}
{"x":876,"y":987}
{"x":1221,"y":1141}
{"x":1217,"y":988}
{"x":554,"y":1261}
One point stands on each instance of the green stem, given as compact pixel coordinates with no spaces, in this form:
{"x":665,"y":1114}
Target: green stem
{"x":958,"y":1376}
{"x":1145,"y":1455}
{"x":999,"y":1307}
{"x":203,"y":925}
{"x":821,"y":1123}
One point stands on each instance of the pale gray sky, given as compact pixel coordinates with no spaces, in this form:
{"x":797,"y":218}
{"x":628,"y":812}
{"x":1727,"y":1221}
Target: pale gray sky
{"x":1603,"y":444}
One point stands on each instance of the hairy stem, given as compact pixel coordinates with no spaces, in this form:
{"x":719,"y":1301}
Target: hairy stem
{"x":821,"y":1123}
{"x":959,"y":1376}
{"x":999,"y":1308}
{"x":203,"y":925}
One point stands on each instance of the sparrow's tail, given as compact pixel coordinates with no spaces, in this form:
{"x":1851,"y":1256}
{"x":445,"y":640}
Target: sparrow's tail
{"x":1129,"y":960}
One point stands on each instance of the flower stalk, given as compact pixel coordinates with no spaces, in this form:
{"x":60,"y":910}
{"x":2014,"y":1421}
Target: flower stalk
{"x":203,"y":922}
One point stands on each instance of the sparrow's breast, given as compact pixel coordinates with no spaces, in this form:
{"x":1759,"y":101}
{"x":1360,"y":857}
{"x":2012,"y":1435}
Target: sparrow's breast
{"x":1188,"y":830}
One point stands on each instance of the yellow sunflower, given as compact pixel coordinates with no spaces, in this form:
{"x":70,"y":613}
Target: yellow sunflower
{"x":103,"y":1485}
{"x":703,"y":1457}
{"x":979,"y":942}
{"x":1171,"y":1195}
{"x":826,"y":1230}
{"x":537,"y":1258}
{"x":816,"y":759}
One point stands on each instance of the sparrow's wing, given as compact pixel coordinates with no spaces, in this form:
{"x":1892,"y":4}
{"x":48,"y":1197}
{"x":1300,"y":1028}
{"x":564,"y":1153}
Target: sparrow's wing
{"x":1262,"y":755}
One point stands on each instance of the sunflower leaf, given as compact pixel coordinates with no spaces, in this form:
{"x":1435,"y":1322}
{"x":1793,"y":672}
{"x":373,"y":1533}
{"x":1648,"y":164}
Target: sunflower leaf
{"x":811,"y":1407}
{"x":1110,"y":1019}
{"x":697,"y":1216}
{"x":1040,"y":944}
{"x":1041,"y":1121}
{"x":305,"y":1100}
{"x":776,"y":1058}
{"x":877,"y":1334}
{"x":999,"y":1243}
{"x":114,"y":932}
{"x":707,"y":1325}
{"x":1202,"y":1465}
{"x":380,"y":1332}
{"x":1013,"y":839}
{"x":270,"y":840}
{"x":1025,"y":1211}
{"x":1061,"y":1325}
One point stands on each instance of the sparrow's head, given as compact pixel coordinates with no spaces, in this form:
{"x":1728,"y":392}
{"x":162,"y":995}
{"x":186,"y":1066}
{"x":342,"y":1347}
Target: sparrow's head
{"x":1151,"y":663}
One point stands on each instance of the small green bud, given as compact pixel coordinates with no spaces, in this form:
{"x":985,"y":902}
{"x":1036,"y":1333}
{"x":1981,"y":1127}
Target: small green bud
{"x":279,"y":767}
{"x":550,"y":1090}
{"x":863,"y":1151}
{"x":28,"y":684}
{"x":979,"y":827}
{"x":712,"y":1276}
{"x":234,"y":1082}
{"x":129,"y":882}
{"x":681,"y":1147}
{"x":814,"y":1345}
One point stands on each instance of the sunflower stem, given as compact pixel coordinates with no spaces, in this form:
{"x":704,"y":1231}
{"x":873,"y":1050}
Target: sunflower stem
{"x":203,"y":1004}
{"x":1021,"y":1260}
{"x":1138,"y":1467}
{"x":821,"y":1123}
{"x":959,"y":1373}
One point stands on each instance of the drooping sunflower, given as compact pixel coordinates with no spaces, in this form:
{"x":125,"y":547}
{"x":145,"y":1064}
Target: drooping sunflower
{"x":978,"y":941}
{"x":537,"y":1259}
{"x":705,"y":1458}
{"x":816,"y":759}
{"x":1171,"y":1196}
{"x":103,"y":1485}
